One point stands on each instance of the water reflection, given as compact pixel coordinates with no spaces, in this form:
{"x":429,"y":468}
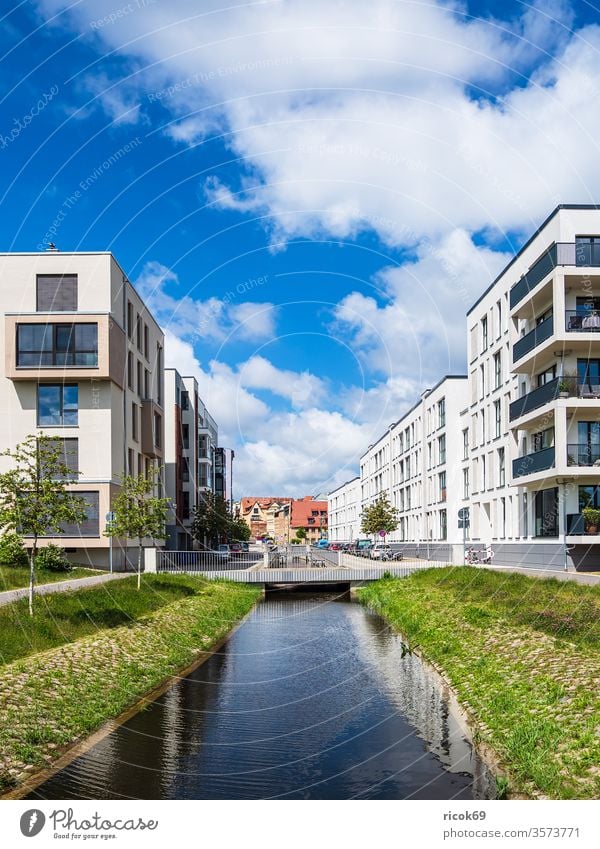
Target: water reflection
{"x":310,"y":698}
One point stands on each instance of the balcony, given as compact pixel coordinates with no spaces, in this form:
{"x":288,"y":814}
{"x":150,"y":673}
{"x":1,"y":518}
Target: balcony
{"x":577,"y":321}
{"x":539,"y":461}
{"x":577,"y":527}
{"x":534,"y":338}
{"x":583,"y":454}
{"x":532,"y":400}
{"x":580,"y":255}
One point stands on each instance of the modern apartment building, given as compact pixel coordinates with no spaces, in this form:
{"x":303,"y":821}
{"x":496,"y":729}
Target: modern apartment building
{"x":83,"y":363}
{"x":522,"y":439}
{"x":191,"y":437}
{"x":549,"y":297}
{"x":344,"y":508}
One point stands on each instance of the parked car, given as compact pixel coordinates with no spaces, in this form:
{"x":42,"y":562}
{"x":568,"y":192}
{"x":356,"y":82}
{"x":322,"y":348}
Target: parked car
{"x":381,"y":551}
{"x":236,"y":549}
{"x":335,"y":546}
{"x":323,"y":543}
{"x":361,"y":547}
{"x":223,"y":551}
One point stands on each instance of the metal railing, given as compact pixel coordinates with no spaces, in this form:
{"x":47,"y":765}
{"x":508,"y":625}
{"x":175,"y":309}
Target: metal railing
{"x":535,"y":337}
{"x":532,"y":400}
{"x":205,"y":561}
{"x":537,"y":461}
{"x":581,"y":255}
{"x":583,"y":454}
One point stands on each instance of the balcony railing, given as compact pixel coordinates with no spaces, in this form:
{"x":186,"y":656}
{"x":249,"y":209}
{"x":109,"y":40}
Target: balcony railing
{"x":539,"y":461}
{"x":581,"y":454}
{"x":535,"y":337}
{"x":582,"y":255}
{"x":577,"y":526}
{"x":537,"y":398}
{"x":577,"y":321}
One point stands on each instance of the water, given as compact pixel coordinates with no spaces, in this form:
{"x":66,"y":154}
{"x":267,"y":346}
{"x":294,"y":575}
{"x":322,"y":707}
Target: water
{"x":309,"y":699}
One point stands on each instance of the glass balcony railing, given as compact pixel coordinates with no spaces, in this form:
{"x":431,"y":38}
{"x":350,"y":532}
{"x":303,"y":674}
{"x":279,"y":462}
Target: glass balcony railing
{"x":579,"y":254}
{"x":582,"y":454}
{"x":532,"y":400}
{"x":578,"y":321}
{"x":538,"y":461}
{"x":577,"y":526}
{"x":535,"y":337}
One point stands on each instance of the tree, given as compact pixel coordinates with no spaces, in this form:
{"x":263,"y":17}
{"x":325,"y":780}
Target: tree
{"x":138,"y":512}
{"x":379,"y":516}
{"x":301,"y":534}
{"x":211,"y":519}
{"x":34,"y":499}
{"x":239,"y":530}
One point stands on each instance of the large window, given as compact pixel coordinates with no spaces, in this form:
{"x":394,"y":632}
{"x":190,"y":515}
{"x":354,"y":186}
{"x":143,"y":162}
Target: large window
{"x":588,"y":374}
{"x":501,"y":467}
{"x":497,"y":370}
{"x":443,"y":524}
{"x":546,"y":512}
{"x":441,"y":412}
{"x":498,"y":418}
{"x":90,"y":526}
{"x":484,"y":334}
{"x":56,"y":292}
{"x":442,"y":486}
{"x":442,"y":449}
{"x":589,"y":496}
{"x":41,"y":345}
{"x":58,"y":405}
{"x":68,"y":455}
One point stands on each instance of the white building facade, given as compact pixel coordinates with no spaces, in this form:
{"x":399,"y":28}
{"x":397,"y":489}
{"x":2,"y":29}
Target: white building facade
{"x":520,"y":443}
{"x":83,"y":364}
{"x":344,"y":512}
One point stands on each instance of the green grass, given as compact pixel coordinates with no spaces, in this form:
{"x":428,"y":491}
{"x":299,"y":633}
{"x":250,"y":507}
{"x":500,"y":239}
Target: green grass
{"x":134,"y":641}
{"x":63,"y":617}
{"x":522,"y":655}
{"x":15,"y":577}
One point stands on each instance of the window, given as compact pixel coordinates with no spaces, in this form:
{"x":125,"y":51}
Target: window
{"x":483,"y":474}
{"x":129,"y":319}
{"x":442,"y":449}
{"x":546,"y":376}
{"x":588,"y":374}
{"x":131,"y":461}
{"x":589,"y":496}
{"x":138,"y":333}
{"x":146,"y":383}
{"x":41,"y":345}
{"x":465,"y":483}
{"x":498,"y":318}
{"x":157,"y":430}
{"x":465,"y":434}
{"x":429,"y":455}
{"x":482,"y":426}
{"x":185,"y":435}
{"x":482,"y":380}
{"x":134,"y":421}
{"x":185,"y":470}
{"x":69,"y":455}
{"x":498,"y":417}
{"x":146,"y":342}
{"x":443,"y":524}
{"x":159,"y":371}
{"x":546,"y":512}
{"x":56,"y":292}
{"x":501,"y":467}
{"x":498,"y":370}
{"x":90,"y":527}
{"x":442,"y":486}
{"x":542,"y":439}
{"x":130,"y":370}
{"x":484,"y":334}
{"x":140,"y":384}
{"x":58,"y":405}
{"x":442,"y":412}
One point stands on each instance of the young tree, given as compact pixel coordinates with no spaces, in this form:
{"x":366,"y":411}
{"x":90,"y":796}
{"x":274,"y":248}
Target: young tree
{"x":379,"y":516}
{"x":211,"y":519}
{"x":34,"y":499}
{"x":138,"y":512}
{"x":239,"y":530}
{"x":301,"y":534}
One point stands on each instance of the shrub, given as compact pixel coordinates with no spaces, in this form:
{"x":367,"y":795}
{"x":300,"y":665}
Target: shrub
{"x":12,"y":550}
{"x":53,"y":558}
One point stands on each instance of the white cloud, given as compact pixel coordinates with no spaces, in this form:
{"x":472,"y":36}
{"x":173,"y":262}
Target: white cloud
{"x":213,"y":319}
{"x":303,"y":389}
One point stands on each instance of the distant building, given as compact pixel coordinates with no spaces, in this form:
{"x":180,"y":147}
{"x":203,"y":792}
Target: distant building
{"x":345,"y":509}
{"x":301,"y":513}
{"x":191,"y":455}
{"x":259,"y":514}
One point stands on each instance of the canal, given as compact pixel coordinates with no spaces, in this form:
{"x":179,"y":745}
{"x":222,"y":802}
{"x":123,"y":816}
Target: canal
{"x":312,"y":697}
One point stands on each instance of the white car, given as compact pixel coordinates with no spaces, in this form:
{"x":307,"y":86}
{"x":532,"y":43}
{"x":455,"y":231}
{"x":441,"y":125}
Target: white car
{"x":380,"y":550}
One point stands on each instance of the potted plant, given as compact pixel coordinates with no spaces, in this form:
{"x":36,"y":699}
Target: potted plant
{"x":591,"y":516}
{"x":567,"y":385}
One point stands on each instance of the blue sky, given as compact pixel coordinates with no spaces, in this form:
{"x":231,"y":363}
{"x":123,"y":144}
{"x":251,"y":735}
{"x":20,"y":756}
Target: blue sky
{"x":310,"y":197}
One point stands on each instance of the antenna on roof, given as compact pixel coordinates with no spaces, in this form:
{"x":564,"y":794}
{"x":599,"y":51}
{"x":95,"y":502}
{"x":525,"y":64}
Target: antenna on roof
{"x":52,"y":248}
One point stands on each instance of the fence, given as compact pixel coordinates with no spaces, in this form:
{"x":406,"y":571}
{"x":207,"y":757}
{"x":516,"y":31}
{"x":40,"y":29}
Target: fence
{"x":206,"y":561}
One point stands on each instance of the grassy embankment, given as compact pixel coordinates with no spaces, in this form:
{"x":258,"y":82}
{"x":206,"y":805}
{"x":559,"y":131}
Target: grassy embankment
{"x":523,"y":656}
{"x":15,"y":577}
{"x":90,"y":654}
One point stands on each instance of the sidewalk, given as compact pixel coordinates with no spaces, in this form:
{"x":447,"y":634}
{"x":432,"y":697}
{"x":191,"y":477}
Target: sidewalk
{"x":62,"y":586}
{"x":579,"y":577}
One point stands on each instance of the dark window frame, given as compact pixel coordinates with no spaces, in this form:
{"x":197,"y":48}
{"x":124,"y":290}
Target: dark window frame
{"x":54,"y":352}
{"x":63,"y":408}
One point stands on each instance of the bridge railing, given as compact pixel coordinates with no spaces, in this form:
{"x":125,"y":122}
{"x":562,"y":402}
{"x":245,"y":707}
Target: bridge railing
{"x":206,"y":561}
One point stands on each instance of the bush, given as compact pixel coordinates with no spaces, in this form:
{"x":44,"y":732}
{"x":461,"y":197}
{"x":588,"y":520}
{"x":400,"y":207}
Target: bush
{"x":12,"y":550}
{"x":53,"y":558}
